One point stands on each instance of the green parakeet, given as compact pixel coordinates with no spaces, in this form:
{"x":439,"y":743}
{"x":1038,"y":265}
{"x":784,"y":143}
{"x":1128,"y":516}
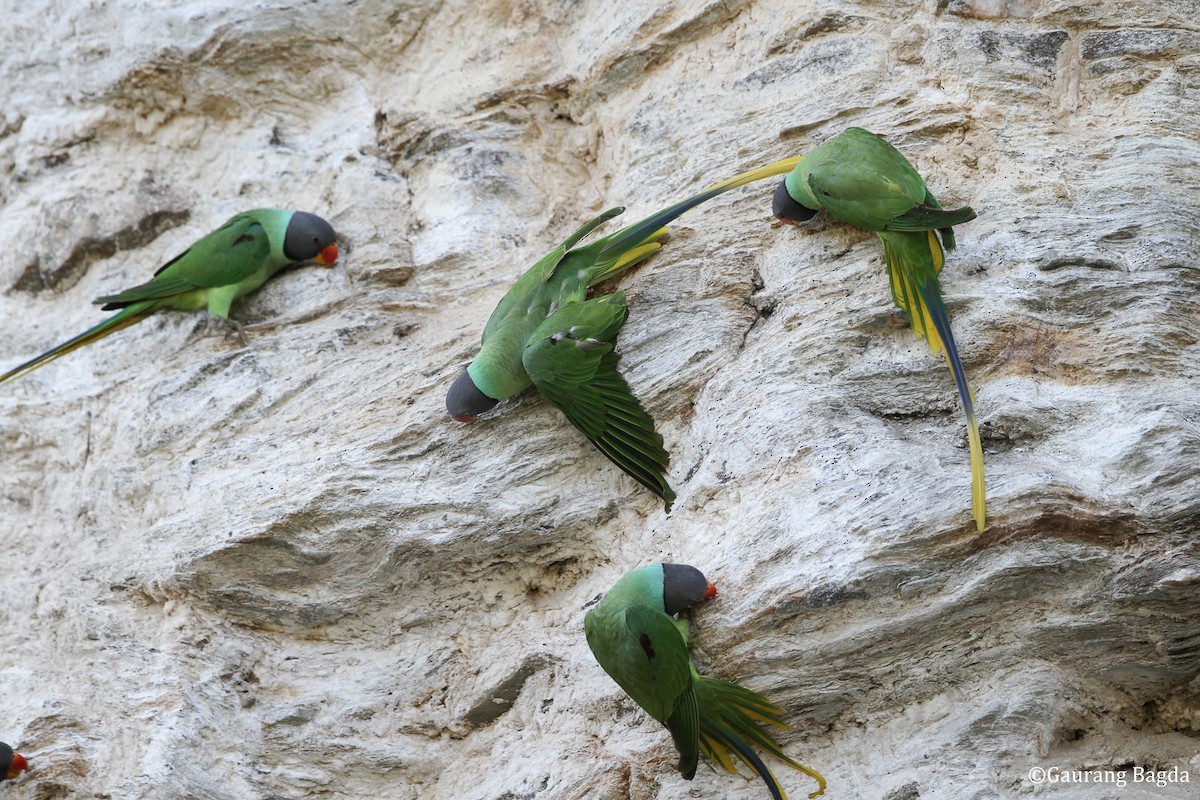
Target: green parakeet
{"x":233,"y":260}
{"x":635,"y":635}
{"x":547,"y":333}
{"x":862,"y":180}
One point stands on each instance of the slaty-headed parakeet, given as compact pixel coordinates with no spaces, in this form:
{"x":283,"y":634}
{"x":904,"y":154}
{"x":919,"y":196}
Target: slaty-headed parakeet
{"x":547,"y":333}
{"x":635,"y":635}
{"x":232,"y":261}
{"x":862,"y":180}
{"x":12,"y":763}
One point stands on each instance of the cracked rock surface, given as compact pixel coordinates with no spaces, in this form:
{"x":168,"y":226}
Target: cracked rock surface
{"x":279,"y":571}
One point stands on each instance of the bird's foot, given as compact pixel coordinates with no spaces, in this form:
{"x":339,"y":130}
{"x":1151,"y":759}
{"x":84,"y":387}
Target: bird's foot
{"x":230,"y":326}
{"x":240,"y":330}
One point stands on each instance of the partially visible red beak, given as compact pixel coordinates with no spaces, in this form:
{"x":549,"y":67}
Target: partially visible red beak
{"x":463,"y":419}
{"x":328,"y":256}
{"x":18,"y":765}
{"x":710,"y":592}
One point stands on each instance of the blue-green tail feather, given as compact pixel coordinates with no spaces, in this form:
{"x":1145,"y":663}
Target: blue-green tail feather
{"x":122,"y":319}
{"x":729,"y":725}
{"x":614,"y":246}
{"x":635,"y":234}
{"x":931,"y":297}
{"x":738,"y":746}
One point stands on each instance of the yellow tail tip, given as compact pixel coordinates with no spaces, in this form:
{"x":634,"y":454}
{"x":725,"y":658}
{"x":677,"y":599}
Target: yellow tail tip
{"x":816,"y":776}
{"x":781,"y":167}
{"x":978,"y":489}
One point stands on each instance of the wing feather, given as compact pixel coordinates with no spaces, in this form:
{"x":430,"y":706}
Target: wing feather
{"x":571,"y":360}
{"x":228,"y":255}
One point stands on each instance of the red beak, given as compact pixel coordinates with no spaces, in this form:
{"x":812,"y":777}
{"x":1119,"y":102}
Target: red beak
{"x":18,"y":765}
{"x":710,"y":592}
{"x":463,"y":419}
{"x":328,"y":256}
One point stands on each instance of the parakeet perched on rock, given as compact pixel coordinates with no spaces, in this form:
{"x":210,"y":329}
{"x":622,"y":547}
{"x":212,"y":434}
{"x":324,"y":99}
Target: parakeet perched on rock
{"x":862,"y":180}
{"x":12,"y":763}
{"x":547,"y":333}
{"x":635,"y":635}
{"x":232,"y":261}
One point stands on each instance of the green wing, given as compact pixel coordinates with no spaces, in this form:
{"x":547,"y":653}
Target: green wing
{"x":858,"y":178}
{"x":642,"y":651}
{"x":228,"y":255}
{"x":930,"y":216}
{"x":866,"y":201}
{"x":530,"y":291}
{"x":570,"y":359}
{"x":863,"y":180}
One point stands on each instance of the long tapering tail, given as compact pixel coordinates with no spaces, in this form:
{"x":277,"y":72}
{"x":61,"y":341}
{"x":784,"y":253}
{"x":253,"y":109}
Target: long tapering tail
{"x":631,"y":244}
{"x":913,"y":262}
{"x":122,"y":319}
{"x":729,"y":717}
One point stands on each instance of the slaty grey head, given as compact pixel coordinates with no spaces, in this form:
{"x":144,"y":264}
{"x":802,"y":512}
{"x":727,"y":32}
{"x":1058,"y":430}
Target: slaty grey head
{"x":786,"y":208}
{"x":464,"y":401}
{"x":307,"y":235}
{"x":683,"y":587}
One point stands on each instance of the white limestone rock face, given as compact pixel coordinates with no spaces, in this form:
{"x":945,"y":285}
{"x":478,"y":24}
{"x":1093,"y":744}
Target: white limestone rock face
{"x":278,"y":570}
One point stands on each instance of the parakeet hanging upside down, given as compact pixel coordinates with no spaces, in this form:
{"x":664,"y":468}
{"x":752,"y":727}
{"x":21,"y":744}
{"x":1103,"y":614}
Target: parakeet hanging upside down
{"x":546,"y":333}
{"x":635,"y":635}
{"x":232,"y":261}
{"x":11,"y":763}
{"x":862,"y":180}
